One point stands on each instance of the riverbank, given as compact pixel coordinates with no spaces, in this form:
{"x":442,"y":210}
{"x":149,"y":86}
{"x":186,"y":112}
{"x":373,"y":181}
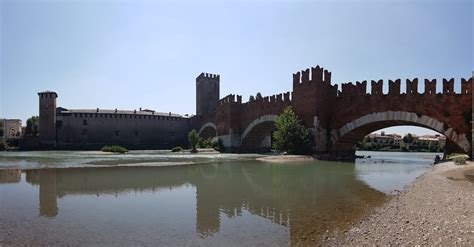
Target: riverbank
{"x":436,"y":209}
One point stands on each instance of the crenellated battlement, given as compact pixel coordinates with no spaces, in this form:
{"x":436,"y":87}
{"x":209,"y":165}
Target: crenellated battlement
{"x":276,"y":98}
{"x":394,"y":87}
{"x":282,"y":98}
{"x":448,"y":86}
{"x":430,"y":86}
{"x":207,"y":76}
{"x":350,"y":89}
{"x":312,"y":76}
{"x":376,"y":87}
{"x":466,"y":86}
{"x":412,"y":86}
{"x":231,"y":98}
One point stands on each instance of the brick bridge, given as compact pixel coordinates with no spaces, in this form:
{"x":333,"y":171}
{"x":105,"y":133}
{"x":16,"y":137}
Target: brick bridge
{"x":340,"y":118}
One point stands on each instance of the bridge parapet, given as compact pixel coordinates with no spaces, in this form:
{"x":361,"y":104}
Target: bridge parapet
{"x":282,"y":98}
{"x":360,"y":88}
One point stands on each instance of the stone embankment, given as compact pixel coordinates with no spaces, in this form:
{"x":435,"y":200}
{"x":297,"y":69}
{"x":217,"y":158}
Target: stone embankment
{"x":436,"y":209}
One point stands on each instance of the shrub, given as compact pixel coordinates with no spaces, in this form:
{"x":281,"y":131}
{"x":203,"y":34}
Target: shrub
{"x":460,"y":160}
{"x":114,"y":149}
{"x":3,"y":145}
{"x":457,"y":158}
{"x":291,"y":136}
{"x":177,"y":149}
{"x":205,"y":143}
{"x":193,"y":138}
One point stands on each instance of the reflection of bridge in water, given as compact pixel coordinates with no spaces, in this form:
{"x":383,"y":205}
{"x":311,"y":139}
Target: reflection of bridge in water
{"x":307,"y":198}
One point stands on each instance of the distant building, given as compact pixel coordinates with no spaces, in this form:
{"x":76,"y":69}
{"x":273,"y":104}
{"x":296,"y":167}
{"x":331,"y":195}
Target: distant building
{"x":12,"y":128}
{"x":138,"y":129}
{"x":383,"y":139}
{"x":433,"y":138}
{"x":395,"y":139}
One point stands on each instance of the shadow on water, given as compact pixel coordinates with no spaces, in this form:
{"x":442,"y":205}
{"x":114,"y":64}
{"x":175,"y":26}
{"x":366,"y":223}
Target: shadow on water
{"x":307,"y":198}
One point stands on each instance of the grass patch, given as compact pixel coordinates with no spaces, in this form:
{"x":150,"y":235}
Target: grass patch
{"x":177,"y":149}
{"x":114,"y":149}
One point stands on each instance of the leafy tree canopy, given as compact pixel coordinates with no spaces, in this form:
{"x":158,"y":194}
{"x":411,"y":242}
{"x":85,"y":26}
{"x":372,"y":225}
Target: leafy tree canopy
{"x":291,"y":136}
{"x":193,"y":138}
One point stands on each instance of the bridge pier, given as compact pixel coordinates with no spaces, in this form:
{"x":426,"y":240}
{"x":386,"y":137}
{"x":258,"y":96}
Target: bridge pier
{"x":231,"y":142}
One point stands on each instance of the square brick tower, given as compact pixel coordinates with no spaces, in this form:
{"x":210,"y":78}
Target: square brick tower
{"x":47,"y":118}
{"x":207,"y":93}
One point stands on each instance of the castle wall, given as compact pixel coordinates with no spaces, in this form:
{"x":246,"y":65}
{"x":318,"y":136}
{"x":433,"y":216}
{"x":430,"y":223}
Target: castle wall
{"x":135,"y":131}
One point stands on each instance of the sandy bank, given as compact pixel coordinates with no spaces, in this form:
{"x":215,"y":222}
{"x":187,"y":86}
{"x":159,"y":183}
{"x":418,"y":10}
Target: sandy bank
{"x":436,"y":209}
{"x":285,"y":158}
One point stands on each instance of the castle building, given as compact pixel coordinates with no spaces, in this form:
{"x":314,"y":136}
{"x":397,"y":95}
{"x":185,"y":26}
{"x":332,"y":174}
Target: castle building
{"x":138,"y":129}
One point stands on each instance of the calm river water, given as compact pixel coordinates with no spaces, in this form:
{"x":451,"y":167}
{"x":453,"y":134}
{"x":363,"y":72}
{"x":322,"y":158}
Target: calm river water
{"x":92,"y":198}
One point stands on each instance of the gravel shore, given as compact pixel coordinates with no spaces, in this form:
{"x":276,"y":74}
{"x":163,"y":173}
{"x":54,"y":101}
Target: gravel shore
{"x":436,"y":209}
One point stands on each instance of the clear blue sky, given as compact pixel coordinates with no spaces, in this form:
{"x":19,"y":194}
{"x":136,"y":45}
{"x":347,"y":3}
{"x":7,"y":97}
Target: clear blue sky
{"x":131,"y":54}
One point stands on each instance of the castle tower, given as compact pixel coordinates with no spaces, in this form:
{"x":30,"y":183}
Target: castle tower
{"x":47,"y":117}
{"x":207,"y":93}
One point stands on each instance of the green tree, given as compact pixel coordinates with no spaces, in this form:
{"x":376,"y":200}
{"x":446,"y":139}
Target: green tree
{"x":291,"y":136}
{"x":32,"y":126}
{"x":408,"y":138}
{"x":251,"y":98}
{"x":433,"y":146}
{"x":258,"y":96}
{"x":193,"y":138}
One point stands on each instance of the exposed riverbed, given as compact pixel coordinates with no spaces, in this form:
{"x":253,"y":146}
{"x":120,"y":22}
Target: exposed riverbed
{"x":154,"y":197}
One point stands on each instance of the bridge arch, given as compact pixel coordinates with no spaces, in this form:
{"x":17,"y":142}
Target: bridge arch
{"x":208,"y":130}
{"x":257,"y":136}
{"x":345,"y":138}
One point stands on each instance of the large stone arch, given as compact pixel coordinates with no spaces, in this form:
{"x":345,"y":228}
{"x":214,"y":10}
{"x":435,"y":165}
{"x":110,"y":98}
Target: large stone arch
{"x":344,"y":139}
{"x":209,"y":129}
{"x":257,"y":136}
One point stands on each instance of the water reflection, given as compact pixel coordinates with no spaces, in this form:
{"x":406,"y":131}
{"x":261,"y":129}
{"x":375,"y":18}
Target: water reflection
{"x":308,"y":198}
{"x":10,"y":176}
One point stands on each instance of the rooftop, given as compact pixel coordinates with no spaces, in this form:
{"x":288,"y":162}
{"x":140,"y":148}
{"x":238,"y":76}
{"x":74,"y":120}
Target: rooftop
{"x":146,"y":112}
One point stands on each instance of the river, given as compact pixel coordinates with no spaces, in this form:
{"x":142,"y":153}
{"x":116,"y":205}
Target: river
{"x":163,"y":198}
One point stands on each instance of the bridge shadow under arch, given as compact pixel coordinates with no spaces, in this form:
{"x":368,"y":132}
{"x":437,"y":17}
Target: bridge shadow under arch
{"x":344,"y":139}
{"x":257,"y":137}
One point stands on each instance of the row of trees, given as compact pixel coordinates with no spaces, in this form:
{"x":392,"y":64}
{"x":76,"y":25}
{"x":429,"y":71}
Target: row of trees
{"x":408,"y":143}
{"x":258,"y":96}
{"x":32,"y":126}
